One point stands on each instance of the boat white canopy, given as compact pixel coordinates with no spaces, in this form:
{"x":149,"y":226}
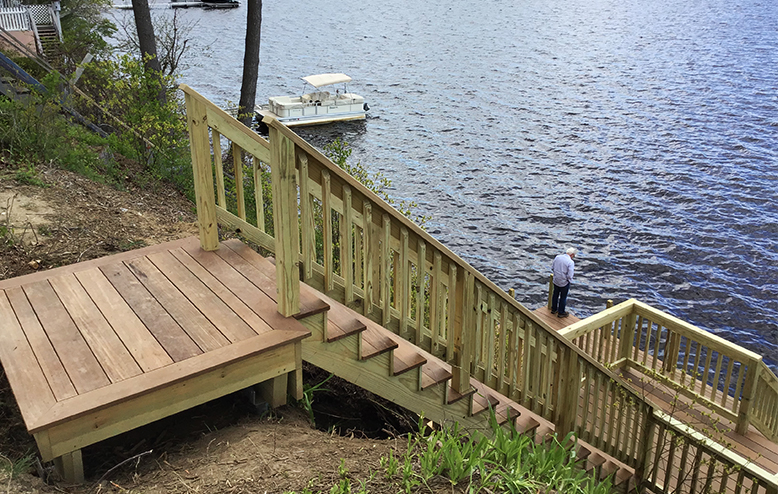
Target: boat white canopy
{"x":320,"y":80}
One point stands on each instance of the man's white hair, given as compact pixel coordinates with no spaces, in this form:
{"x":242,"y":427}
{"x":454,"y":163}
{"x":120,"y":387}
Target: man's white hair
{"x":572,"y":251}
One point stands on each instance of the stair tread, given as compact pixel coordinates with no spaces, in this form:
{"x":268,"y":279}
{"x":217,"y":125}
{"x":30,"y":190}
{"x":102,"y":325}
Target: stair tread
{"x":374,"y":343}
{"x":432,"y":374}
{"x":338,"y":330}
{"x":454,"y":395}
{"x":526,"y":425}
{"x":310,"y":303}
{"x":482,"y":402}
{"x":595,"y":460}
{"x":407,"y":358}
{"x":622,"y":475}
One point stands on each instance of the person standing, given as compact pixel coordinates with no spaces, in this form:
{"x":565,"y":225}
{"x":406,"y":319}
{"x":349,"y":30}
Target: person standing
{"x":563,"y":268}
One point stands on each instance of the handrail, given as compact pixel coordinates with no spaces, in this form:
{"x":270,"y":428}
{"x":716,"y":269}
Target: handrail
{"x":358,"y":249}
{"x":729,"y":379}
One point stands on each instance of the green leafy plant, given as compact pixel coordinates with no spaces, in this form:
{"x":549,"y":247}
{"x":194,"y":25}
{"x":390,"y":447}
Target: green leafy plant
{"x":307,"y":400}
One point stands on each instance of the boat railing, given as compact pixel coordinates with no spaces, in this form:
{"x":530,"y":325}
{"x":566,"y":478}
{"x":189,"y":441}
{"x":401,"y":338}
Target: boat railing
{"x":724,"y":377}
{"x":330,"y":231}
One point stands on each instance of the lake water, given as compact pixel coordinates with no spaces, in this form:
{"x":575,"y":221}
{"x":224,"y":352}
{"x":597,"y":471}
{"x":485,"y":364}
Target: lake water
{"x":645,"y":133}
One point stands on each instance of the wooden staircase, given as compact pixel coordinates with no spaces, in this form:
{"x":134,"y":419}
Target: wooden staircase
{"x":52,"y":49}
{"x":361,"y":351}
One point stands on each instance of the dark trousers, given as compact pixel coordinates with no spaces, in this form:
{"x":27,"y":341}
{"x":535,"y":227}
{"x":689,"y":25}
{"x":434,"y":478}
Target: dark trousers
{"x":559,"y":298}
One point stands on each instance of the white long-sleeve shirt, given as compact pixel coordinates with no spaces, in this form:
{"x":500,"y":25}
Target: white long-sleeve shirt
{"x":563,"y":268}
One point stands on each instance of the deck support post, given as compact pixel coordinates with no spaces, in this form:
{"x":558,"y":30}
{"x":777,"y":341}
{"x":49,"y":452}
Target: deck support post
{"x":285,"y":219}
{"x":550,"y":289}
{"x":463,"y":331}
{"x":71,"y":467}
{"x":749,"y":392}
{"x":273,"y":391}
{"x":197,"y":120}
{"x":571,"y":389}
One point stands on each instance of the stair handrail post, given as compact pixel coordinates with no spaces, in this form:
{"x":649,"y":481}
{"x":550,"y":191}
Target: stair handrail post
{"x":550,"y":289}
{"x":200,"y":148}
{"x":463,"y":324}
{"x":749,"y":393}
{"x":285,"y":218}
{"x":627,"y":339}
{"x":34,"y":27}
{"x":645,"y":445}
{"x":570,"y":391}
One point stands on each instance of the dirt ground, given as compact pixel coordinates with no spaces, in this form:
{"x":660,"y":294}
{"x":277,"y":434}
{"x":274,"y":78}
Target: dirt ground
{"x":221,"y":446}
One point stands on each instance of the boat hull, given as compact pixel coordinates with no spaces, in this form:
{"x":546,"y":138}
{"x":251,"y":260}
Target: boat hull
{"x":320,"y":119}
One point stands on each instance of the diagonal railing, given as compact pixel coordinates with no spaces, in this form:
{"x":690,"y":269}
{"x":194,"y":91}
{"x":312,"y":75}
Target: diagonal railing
{"x":327,"y":229}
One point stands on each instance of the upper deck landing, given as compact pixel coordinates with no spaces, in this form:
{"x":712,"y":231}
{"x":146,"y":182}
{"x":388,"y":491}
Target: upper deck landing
{"x":101,"y":347}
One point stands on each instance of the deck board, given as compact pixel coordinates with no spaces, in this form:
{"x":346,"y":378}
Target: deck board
{"x":178,"y":345}
{"x":196,"y":325}
{"x":217,"y":312}
{"x":76,"y":356}
{"x":48,"y":361}
{"x":96,"y":349}
{"x":140,"y":342}
{"x":251,"y":318}
{"x":111,"y":354}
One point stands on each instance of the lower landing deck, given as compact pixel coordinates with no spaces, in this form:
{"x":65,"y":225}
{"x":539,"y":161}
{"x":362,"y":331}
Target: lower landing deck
{"x":102,"y":347}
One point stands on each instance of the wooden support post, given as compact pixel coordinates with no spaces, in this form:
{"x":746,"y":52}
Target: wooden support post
{"x":285,"y":222}
{"x":627,"y":340}
{"x":463,"y":332}
{"x":200,"y":147}
{"x":273,"y":391}
{"x":571,"y":388}
{"x":71,"y":467}
{"x":749,"y":393}
{"x":550,"y":289}
{"x":295,"y":384}
{"x":645,"y":445}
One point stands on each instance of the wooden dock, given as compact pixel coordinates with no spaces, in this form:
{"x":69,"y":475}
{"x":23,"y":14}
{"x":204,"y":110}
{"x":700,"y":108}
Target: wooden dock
{"x":553,"y":321}
{"x":101,"y":347}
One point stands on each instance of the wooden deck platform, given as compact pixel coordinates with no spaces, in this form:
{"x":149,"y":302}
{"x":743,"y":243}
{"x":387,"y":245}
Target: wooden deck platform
{"x":753,"y":445}
{"x":101,"y":347}
{"x":555,"y":322}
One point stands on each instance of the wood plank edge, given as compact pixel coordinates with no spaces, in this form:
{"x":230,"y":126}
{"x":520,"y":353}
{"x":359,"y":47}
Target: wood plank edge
{"x":149,"y":382}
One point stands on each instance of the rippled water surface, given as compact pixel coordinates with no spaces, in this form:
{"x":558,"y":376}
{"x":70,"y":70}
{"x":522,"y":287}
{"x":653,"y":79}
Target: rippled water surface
{"x":643,"y":132}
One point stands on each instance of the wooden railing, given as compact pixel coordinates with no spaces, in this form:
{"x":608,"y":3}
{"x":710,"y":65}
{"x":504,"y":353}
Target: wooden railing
{"x":15,"y":19}
{"x":726,"y":378}
{"x":329,"y":230}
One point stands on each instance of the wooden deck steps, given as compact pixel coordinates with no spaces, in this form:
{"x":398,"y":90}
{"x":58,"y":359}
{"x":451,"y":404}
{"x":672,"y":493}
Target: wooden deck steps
{"x":101,"y":347}
{"x":554,"y":322}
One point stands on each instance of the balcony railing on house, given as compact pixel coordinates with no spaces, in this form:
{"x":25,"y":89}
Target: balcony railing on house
{"x":328,"y":230}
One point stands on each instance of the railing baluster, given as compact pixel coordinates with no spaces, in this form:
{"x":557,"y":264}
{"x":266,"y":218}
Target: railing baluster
{"x":326,"y":206}
{"x":421,"y":274}
{"x":436,"y":302}
{"x":307,"y":224}
{"x":237,"y":170}
{"x":490,"y":339}
{"x":716,"y":377}
{"x":367,"y":232}
{"x":452,"y":304}
{"x":386,"y":261}
{"x":347,"y":246}
{"x":259,"y":199}
{"x":727,"y":383}
{"x":217,"y":164}
{"x":503,"y":339}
